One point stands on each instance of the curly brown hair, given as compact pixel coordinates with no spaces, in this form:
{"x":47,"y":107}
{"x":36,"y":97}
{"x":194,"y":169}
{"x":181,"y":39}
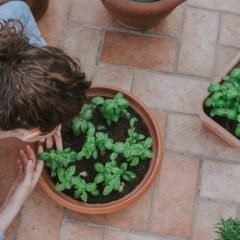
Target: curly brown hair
{"x":40,"y":86}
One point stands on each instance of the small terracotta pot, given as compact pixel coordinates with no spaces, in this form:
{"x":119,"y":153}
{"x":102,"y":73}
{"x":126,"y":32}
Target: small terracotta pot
{"x":38,"y":7}
{"x":140,"y":15}
{"x":104,"y":208}
{"x":225,"y":136}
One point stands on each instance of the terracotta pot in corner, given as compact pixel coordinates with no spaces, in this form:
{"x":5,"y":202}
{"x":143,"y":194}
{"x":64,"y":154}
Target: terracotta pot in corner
{"x":140,"y":15}
{"x":104,"y":208}
{"x":225,"y":136}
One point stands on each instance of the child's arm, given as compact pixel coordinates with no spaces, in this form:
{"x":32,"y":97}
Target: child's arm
{"x":29,"y":172}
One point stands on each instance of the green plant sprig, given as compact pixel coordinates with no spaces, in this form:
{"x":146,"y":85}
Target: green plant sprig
{"x":55,"y":159}
{"x":228,"y":229}
{"x":224,"y":100}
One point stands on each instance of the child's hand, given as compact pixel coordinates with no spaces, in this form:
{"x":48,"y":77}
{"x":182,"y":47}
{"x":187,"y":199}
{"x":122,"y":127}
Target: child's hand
{"x":29,"y":172}
{"x":55,"y":138}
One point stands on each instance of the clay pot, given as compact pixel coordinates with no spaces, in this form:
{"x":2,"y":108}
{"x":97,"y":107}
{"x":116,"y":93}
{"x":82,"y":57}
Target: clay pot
{"x":225,"y":136}
{"x":38,"y":7}
{"x":139,"y":15}
{"x":104,"y":208}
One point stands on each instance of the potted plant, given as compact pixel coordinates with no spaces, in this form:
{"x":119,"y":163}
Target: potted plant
{"x":228,"y":229}
{"x":220,"y":109}
{"x":112,"y":154}
{"x":140,"y":14}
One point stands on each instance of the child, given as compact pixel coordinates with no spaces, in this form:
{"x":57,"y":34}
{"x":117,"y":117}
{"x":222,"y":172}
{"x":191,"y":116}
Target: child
{"x":41,"y":88}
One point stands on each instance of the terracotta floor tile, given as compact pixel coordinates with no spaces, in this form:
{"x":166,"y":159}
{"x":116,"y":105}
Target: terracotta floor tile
{"x":187,"y":134}
{"x":134,"y":217}
{"x":117,"y":235}
{"x":71,"y":231}
{"x":222,"y":5}
{"x":208,"y":215}
{"x":41,"y":218}
{"x":11,"y":233}
{"x":139,"y":51}
{"x":8,"y":163}
{"x":91,"y":12}
{"x":219,"y":181}
{"x":169,"y":92}
{"x":83,"y":43}
{"x":53,"y":22}
{"x":198,"y":42}
{"x":230,"y":32}
{"x":161,"y":118}
{"x":224,"y":57}
{"x":174,"y":202}
{"x":171,"y":24}
{"x":114,"y":75}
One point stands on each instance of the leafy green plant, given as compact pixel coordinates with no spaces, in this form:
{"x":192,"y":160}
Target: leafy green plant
{"x":224,"y":100}
{"x":55,"y":159}
{"x":65,"y":177}
{"x":82,"y":188}
{"x":103,"y":141}
{"x":228,"y":229}
{"x":113,"y":109}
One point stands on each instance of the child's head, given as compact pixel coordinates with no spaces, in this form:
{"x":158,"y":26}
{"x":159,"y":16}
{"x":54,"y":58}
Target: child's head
{"x":39,"y":86}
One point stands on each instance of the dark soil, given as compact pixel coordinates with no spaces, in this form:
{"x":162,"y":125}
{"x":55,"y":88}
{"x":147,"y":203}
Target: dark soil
{"x":118,"y":132}
{"x":226,"y":123}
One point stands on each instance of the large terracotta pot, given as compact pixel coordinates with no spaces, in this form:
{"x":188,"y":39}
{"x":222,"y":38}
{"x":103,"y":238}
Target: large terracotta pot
{"x":153,"y":127}
{"x":140,"y":15}
{"x":225,"y":136}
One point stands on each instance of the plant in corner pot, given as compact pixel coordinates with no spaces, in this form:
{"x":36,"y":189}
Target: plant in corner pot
{"x":106,"y":155}
{"x":223,"y":103}
{"x":228,"y":229}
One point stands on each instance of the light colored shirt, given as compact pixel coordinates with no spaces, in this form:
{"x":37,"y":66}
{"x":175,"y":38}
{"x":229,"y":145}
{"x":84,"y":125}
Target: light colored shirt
{"x":1,"y":235}
{"x":19,"y":10}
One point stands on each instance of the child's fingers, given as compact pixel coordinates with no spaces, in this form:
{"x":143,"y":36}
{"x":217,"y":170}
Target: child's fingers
{"x":37,"y":172}
{"x":24,"y":157}
{"x":49,"y":142}
{"x":20,"y":166}
{"x":40,"y":147}
{"x":28,"y":174}
{"x":30,"y":154}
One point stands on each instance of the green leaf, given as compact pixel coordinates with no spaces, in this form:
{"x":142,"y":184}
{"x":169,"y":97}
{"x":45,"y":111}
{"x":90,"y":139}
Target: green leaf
{"x":107,"y":190}
{"x":95,"y":193}
{"x":232,"y":94}
{"x":235,"y":73}
{"x":99,"y":178}
{"x":70,"y":171}
{"x":237,"y":131}
{"x":124,"y":166}
{"x":131,"y":174}
{"x":134,"y":162}
{"x":108,"y":144}
{"x":84,"y":196}
{"x":98,"y":100}
{"x":99,"y":167}
{"x":113,"y":156}
{"x":126,"y":177}
{"x":232,"y":114}
{"x":60,"y":187}
{"x":118,"y":147}
{"x":83,"y":174}
{"x":91,"y":187}
{"x":148,"y":142}
{"x":214,"y":87}
{"x":132,"y":121}
{"x":225,"y":78}
{"x":83,"y":126}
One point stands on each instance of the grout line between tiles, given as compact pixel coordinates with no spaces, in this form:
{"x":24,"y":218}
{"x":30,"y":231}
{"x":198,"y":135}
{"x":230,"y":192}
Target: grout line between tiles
{"x":196,"y":201}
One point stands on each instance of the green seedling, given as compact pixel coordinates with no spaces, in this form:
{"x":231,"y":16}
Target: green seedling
{"x":103,"y":142}
{"x":57,"y":158}
{"x":65,"y":177}
{"x":228,"y":229}
{"x":224,"y":100}
{"x":82,"y":188}
{"x":113,"y":109}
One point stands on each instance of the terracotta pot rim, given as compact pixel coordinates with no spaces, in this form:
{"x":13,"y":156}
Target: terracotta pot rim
{"x":144,"y":185}
{"x":141,"y":8}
